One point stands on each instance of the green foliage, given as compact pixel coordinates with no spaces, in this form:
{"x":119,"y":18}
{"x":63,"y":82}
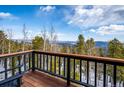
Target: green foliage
{"x":90,"y":43}
{"x":37,"y":43}
{"x":101,"y":52}
{"x":2,"y":35}
{"x":120,"y":73}
{"x":89,"y":46}
{"x":80,"y":45}
{"x":83,"y":47}
{"x":3,"y":40}
{"x":115,"y":49}
{"x":77,"y":76}
{"x":15,"y":45}
{"x":66,"y":49}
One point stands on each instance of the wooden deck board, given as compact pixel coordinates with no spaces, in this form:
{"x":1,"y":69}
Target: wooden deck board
{"x":40,"y":79}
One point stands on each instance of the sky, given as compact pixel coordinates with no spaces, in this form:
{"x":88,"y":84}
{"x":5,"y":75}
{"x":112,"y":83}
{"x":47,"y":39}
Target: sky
{"x":103,"y":23}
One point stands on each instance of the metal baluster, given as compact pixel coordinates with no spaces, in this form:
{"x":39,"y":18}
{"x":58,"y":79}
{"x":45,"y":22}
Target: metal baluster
{"x":114,"y":72}
{"x":64,"y":66}
{"x":68,"y":71}
{"x":55,"y":64}
{"x":5,"y":66}
{"x":47,"y":61}
{"x":33,"y":61}
{"x":13,"y":66}
{"x":59,"y":66}
{"x":40,"y":61}
{"x":95,"y":73}
{"x":80,"y":70}
{"x":29,"y":57}
{"x":104,"y":77}
{"x":37,"y":61}
{"x":87,"y":72}
{"x":51,"y":63}
{"x":19,"y":68}
{"x":74,"y":70}
{"x":43,"y":62}
{"x":24,"y":63}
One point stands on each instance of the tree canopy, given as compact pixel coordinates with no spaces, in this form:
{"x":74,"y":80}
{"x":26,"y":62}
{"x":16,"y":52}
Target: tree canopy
{"x":81,"y":44}
{"x":115,"y":49}
{"x":37,"y":43}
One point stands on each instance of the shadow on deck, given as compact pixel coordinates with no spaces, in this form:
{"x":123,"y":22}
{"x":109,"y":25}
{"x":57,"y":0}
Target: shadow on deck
{"x":40,"y":79}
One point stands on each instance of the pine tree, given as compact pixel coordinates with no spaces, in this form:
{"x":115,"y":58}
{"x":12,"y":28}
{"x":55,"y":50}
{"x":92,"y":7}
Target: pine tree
{"x":89,"y":46}
{"x":37,"y":43}
{"x":80,"y":45}
{"x":115,"y":50}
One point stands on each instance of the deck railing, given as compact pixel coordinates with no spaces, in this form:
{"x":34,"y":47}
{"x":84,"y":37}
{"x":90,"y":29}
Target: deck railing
{"x":85,"y":70}
{"x":13,"y":66}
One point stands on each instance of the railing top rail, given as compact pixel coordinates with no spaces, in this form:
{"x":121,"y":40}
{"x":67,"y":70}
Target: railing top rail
{"x":76,"y":56}
{"x":13,"y":54}
{"x":85,"y":57}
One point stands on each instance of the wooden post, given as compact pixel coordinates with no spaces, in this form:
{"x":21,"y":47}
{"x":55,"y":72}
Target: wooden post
{"x":33,"y":61}
{"x":19,"y":81}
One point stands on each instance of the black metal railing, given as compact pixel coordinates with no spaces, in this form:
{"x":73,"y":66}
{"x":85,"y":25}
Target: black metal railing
{"x":85,"y":70}
{"x":13,"y":66}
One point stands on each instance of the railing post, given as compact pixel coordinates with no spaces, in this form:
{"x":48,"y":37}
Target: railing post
{"x":68,"y":71}
{"x":5,"y":66}
{"x":19,"y":81}
{"x":19,"y":59}
{"x":33,"y":61}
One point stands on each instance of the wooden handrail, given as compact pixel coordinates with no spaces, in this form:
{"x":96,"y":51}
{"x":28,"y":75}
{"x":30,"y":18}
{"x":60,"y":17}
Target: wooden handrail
{"x":85,"y":57}
{"x":17,"y":53}
{"x":77,"y":56}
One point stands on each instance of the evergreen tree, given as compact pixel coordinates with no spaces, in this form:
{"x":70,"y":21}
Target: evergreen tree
{"x":101,"y":52}
{"x":115,"y":49}
{"x":3,"y":39}
{"x":37,"y":43}
{"x":80,"y":45}
{"x":89,"y":46}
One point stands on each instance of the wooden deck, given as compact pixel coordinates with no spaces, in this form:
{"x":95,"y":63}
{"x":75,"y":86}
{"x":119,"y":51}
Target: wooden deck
{"x":40,"y":79}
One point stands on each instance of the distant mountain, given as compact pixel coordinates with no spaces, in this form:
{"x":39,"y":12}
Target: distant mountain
{"x":71,"y":43}
{"x":101,"y":44}
{"x":21,"y":40}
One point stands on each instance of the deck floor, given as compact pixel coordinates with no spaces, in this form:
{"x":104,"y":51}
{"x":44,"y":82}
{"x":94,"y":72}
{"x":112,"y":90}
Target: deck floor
{"x":40,"y":79}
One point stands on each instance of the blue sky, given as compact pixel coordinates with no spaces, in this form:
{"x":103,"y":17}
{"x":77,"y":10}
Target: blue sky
{"x":102,"y":23}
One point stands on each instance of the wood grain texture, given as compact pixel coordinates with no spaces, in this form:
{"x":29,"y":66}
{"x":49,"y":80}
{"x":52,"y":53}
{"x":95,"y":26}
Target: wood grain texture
{"x":40,"y":79}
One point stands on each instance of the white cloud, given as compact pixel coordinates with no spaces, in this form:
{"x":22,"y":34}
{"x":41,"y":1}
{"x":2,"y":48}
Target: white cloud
{"x":92,"y":30}
{"x":6,"y":15}
{"x":2,"y":14}
{"x":109,"y":30}
{"x":47,"y":8}
{"x":96,"y":16}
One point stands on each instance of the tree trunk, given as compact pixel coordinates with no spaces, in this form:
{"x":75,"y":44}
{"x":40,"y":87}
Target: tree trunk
{"x":9,"y":50}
